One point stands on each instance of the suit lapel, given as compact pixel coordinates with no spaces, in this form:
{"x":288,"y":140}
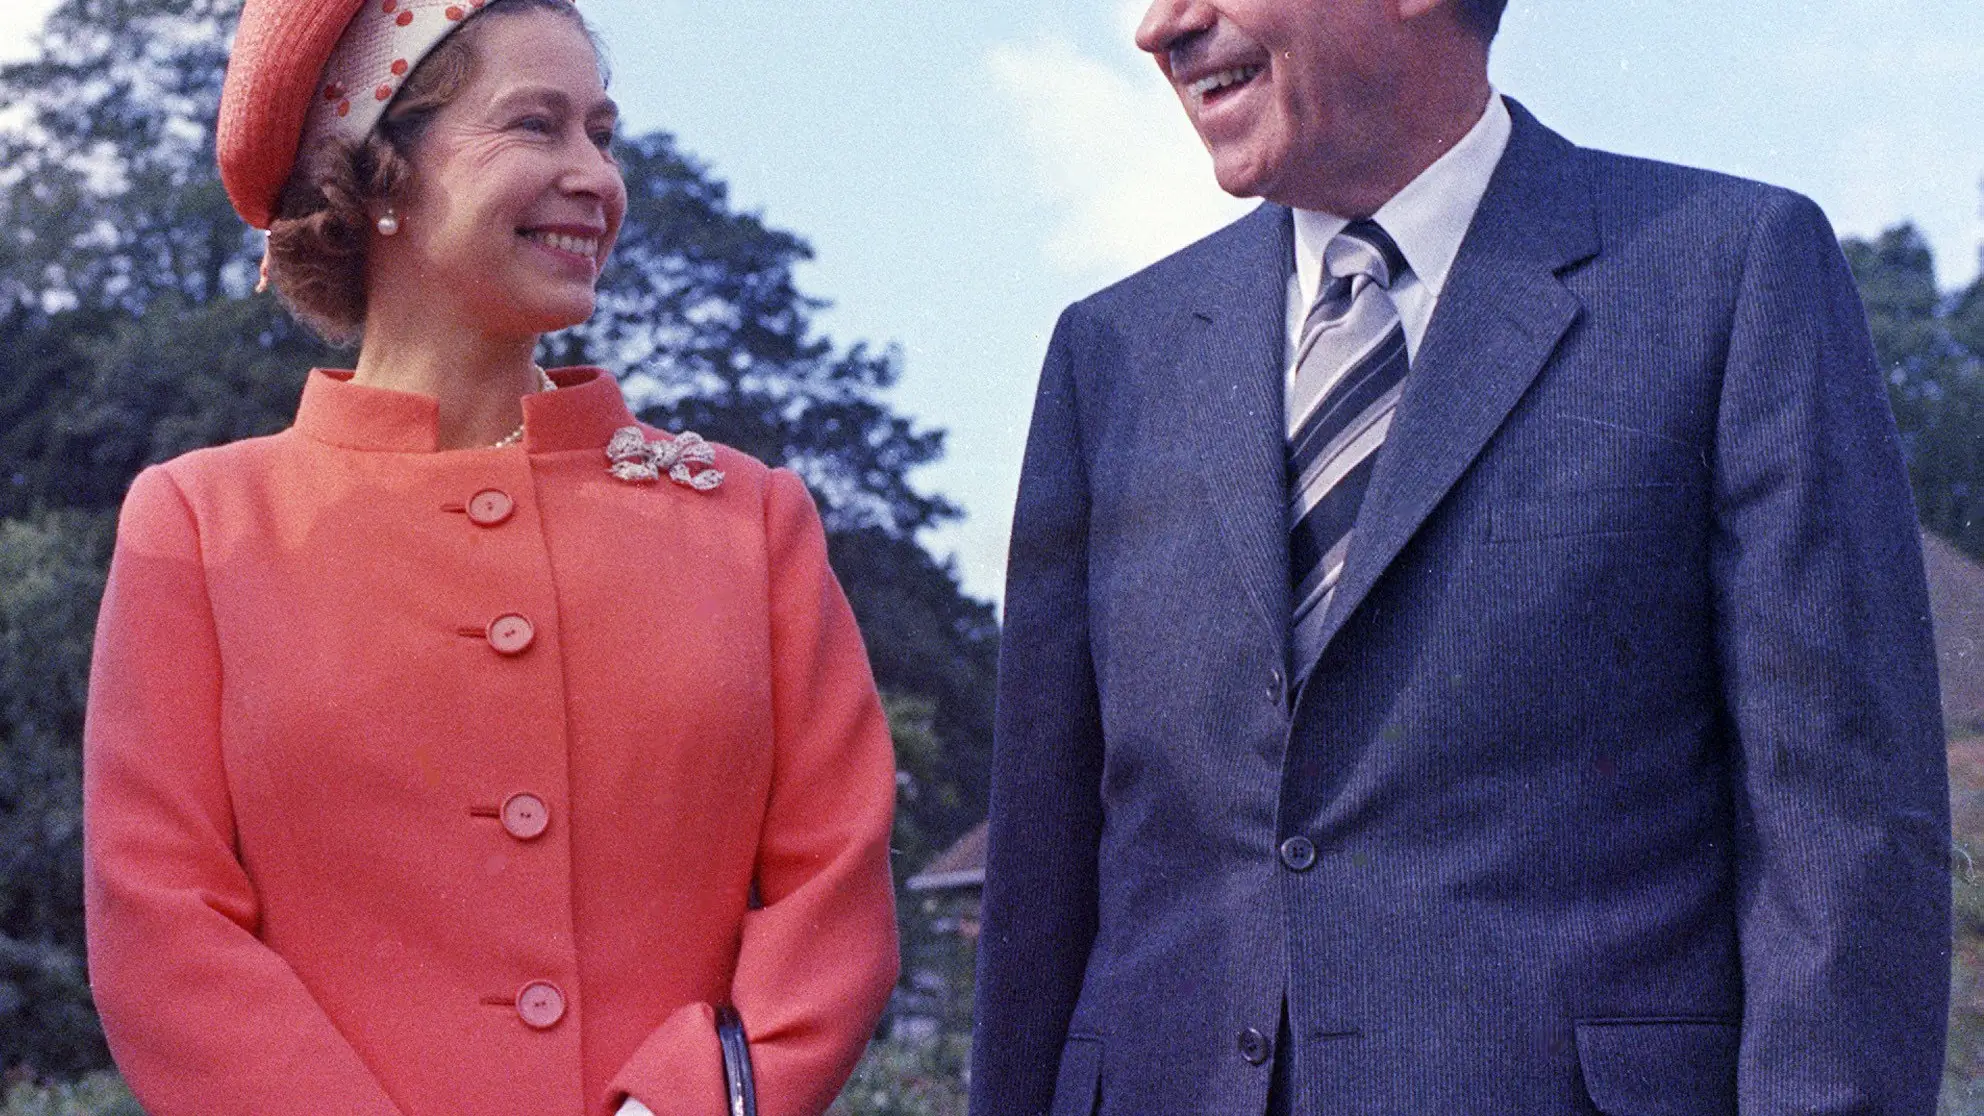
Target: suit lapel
{"x":1500,"y":316}
{"x":1229,"y":382}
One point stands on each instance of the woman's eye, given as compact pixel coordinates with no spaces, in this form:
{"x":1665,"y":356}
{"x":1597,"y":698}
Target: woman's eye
{"x":537,"y":124}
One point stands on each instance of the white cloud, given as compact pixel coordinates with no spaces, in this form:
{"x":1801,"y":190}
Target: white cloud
{"x":1111,"y":150}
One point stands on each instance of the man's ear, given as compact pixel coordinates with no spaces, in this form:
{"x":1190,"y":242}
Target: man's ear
{"x":1409,"y":10}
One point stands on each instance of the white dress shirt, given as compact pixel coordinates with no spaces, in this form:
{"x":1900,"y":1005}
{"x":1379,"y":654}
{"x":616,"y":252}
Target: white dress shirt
{"x":1427,"y":220}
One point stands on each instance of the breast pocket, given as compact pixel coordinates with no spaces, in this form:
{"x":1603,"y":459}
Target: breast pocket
{"x":1079,"y":1084}
{"x":1659,"y":1067}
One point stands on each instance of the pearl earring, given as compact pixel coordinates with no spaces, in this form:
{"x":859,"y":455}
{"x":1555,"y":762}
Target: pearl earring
{"x":389,"y":225}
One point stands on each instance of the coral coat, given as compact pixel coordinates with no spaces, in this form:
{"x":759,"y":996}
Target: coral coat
{"x":435,"y":784}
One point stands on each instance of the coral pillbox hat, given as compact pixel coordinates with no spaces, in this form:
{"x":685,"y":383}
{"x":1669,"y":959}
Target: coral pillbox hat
{"x":306,"y":73}
{"x":279,"y":53}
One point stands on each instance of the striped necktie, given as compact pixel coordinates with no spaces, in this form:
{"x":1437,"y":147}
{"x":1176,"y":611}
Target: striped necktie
{"x":1349,"y":370}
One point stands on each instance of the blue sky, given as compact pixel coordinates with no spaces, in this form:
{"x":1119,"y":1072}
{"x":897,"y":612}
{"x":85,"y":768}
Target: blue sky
{"x":963,"y":170}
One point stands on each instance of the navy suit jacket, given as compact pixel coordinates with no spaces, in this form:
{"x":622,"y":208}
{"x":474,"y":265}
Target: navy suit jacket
{"x":1623,"y":763}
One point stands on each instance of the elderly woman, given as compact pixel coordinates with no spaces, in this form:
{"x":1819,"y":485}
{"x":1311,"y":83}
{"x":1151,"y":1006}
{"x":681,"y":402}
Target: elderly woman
{"x":465,"y":748}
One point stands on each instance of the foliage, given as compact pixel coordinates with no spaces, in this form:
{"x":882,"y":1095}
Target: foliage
{"x":99,"y":1094}
{"x":932,"y":1004}
{"x":919,"y":760}
{"x":1963,"y":1069}
{"x":50,"y":579}
{"x":109,"y":198}
{"x":925,"y":638}
{"x":1932,"y":347}
{"x":906,"y":1079}
{"x":97,"y":396}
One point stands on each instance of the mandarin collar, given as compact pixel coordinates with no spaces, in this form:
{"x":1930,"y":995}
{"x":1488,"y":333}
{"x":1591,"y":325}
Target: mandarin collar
{"x":582,"y":414}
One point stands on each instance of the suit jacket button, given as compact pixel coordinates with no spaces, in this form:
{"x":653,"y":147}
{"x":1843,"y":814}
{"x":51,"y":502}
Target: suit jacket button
{"x":490,"y":507}
{"x":1299,"y":853}
{"x":1255,"y":1047}
{"x":525,"y":816}
{"x":510,"y":634}
{"x":540,"y":1005}
{"x":1276,"y":682}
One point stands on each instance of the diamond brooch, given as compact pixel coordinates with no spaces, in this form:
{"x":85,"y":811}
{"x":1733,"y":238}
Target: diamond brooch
{"x":686,"y":459}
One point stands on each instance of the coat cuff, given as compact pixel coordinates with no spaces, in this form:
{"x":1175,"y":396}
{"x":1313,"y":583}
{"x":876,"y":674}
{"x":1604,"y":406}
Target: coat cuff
{"x":678,"y":1070}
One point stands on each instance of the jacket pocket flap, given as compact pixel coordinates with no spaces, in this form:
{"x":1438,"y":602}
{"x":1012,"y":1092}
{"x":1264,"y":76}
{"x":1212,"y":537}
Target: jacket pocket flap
{"x":1081,"y":1070}
{"x":1668,"y":1067}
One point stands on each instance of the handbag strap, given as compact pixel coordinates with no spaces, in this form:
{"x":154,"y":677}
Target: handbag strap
{"x":743,"y":1091}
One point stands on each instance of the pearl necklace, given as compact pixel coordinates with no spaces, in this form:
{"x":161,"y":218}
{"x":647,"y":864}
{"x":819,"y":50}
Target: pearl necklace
{"x":513,"y":437}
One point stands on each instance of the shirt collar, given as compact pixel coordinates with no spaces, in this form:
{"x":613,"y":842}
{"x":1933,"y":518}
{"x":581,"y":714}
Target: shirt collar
{"x":582,"y":414}
{"x":1429,"y":218}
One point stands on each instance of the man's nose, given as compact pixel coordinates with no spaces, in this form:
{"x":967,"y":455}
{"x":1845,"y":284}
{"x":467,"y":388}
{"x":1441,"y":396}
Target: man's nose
{"x":1169,"y":23}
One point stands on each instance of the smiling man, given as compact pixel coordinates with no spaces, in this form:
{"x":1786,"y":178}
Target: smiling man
{"x":1466,"y":648}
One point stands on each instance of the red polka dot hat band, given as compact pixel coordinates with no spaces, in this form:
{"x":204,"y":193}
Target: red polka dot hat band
{"x":305,"y":73}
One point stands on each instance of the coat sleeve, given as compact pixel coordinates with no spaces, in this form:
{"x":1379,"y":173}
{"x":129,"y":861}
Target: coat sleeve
{"x":818,"y":960}
{"x":1830,"y":689}
{"x":202,"y":1017}
{"x":1040,"y":881}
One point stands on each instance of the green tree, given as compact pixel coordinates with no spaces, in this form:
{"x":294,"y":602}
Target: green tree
{"x":92,"y":396}
{"x":1932,"y":347}
{"x":109,"y":194}
{"x":50,"y":579}
{"x":99,"y":1094}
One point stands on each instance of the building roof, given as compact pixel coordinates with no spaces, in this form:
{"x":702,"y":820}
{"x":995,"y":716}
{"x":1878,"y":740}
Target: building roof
{"x":1956,"y":599}
{"x":961,"y":866}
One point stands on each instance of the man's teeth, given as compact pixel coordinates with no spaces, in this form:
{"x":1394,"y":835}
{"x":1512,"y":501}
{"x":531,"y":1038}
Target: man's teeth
{"x":1216,"y":82}
{"x":577,"y":245}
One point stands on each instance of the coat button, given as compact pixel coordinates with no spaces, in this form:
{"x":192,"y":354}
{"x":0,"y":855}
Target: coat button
{"x":490,"y":507}
{"x":1299,"y":853}
{"x":1255,"y":1047}
{"x":510,"y":634}
{"x":540,"y":1005}
{"x":1276,"y":682}
{"x":525,"y":816}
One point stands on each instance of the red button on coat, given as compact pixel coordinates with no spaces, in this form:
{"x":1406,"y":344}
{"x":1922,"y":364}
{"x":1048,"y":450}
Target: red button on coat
{"x":540,"y":1005}
{"x":525,"y":816}
{"x":490,"y":507}
{"x":510,"y":634}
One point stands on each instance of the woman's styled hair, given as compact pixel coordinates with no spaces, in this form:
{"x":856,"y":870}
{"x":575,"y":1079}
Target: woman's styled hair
{"x":317,"y":242}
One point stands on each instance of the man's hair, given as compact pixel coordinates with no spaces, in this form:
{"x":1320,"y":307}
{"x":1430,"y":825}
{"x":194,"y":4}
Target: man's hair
{"x":1483,"y":17}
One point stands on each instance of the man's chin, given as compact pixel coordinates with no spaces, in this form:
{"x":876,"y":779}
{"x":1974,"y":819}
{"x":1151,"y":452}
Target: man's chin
{"x":1242,"y":179}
